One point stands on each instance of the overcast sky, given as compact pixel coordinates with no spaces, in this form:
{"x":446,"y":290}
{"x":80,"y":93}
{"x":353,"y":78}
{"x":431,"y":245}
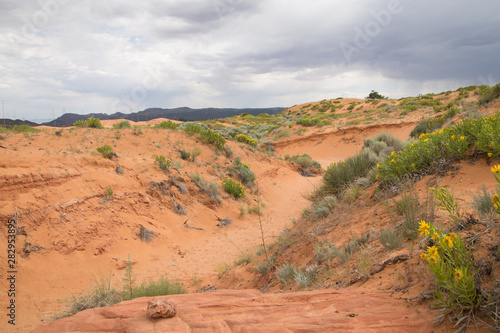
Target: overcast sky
{"x":108,"y":56}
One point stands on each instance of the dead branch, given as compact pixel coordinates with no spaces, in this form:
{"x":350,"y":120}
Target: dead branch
{"x":393,"y":260}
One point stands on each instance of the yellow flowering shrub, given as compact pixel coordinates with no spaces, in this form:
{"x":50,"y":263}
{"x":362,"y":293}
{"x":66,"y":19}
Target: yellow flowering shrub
{"x":246,"y":139}
{"x":453,"y":268}
{"x":236,"y":189}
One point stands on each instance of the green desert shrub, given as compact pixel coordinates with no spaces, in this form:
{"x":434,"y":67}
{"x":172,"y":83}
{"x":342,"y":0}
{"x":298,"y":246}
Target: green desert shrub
{"x":167,"y":124}
{"x":163,"y":162}
{"x":391,"y":240}
{"x":469,"y":136}
{"x":122,"y":124}
{"x":246,"y":175}
{"x":489,"y":94}
{"x":341,"y":174}
{"x":303,"y":160}
{"x":285,"y":273}
{"x":246,"y":139}
{"x":236,"y":189}
{"x":208,"y":187}
{"x":106,"y":151}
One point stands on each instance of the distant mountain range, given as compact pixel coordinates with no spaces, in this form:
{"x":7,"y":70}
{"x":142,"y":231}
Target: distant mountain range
{"x":183,"y":114}
{"x":10,"y":122}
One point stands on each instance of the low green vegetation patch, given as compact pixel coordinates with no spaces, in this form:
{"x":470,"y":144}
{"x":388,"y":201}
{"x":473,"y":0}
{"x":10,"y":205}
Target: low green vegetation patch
{"x":90,"y":122}
{"x":236,"y":189}
{"x":432,"y":124}
{"x":167,"y":124}
{"x":19,"y":129}
{"x":246,"y":139}
{"x":102,"y":294}
{"x":488,"y":94}
{"x":122,"y":124}
{"x":106,"y":151}
{"x":480,"y":137}
{"x":303,"y":160}
{"x":163,"y":162}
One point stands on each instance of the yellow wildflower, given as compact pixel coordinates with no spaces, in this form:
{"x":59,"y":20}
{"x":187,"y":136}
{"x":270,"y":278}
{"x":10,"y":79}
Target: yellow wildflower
{"x":489,"y":154}
{"x":432,"y":259}
{"x":424,"y":228}
{"x":462,"y":137}
{"x":496,"y":168}
{"x":435,"y":235}
{"x":392,"y":154}
{"x":452,"y":235}
{"x":447,"y":241}
{"x":458,"y":274}
{"x":432,"y":251}
{"x":453,"y":137}
{"x":422,"y":255}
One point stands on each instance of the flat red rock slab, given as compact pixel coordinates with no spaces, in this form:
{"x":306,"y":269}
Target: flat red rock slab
{"x":252,"y":311}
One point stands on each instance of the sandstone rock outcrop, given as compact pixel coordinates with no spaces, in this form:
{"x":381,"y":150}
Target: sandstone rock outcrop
{"x":252,"y":311}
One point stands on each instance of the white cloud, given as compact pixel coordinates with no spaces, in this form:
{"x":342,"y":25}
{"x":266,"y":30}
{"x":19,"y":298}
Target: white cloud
{"x":87,"y":55}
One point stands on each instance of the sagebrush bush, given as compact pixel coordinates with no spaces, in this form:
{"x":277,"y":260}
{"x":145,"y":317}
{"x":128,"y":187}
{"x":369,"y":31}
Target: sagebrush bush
{"x":489,"y":94}
{"x":303,"y":160}
{"x":483,"y":203}
{"x":122,"y":124}
{"x":339,"y":175}
{"x":391,"y":240}
{"x":285,"y":273}
{"x":208,"y":187}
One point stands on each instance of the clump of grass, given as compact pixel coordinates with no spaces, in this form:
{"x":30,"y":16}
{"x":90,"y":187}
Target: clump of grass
{"x":19,"y":129}
{"x":137,"y":130}
{"x":190,"y":155}
{"x":283,"y":134}
{"x":285,"y":273}
{"x":108,"y":193}
{"x":483,"y":204}
{"x":391,"y":240}
{"x":409,"y":207}
{"x":160,"y":287}
{"x":303,"y":160}
{"x":208,"y":187}
{"x":122,"y":124}
{"x":306,"y":277}
{"x":100,"y":295}
{"x":341,"y":174}
{"x":244,"y":258}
